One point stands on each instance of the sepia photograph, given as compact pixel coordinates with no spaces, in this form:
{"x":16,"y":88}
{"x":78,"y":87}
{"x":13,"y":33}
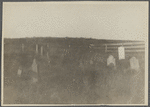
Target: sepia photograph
{"x":74,"y":53}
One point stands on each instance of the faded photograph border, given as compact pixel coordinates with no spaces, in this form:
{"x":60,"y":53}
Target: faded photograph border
{"x":80,"y":2}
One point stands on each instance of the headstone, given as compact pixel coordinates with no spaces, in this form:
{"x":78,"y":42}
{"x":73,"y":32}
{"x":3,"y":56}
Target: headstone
{"x":134,"y":63}
{"x":34,"y":66}
{"x":121,"y":52}
{"x":22,"y":47}
{"x":37,"y":48}
{"x":34,"y":71}
{"x":111,"y":61}
{"x":19,"y":72}
{"x":34,"y":79}
{"x":42,"y":50}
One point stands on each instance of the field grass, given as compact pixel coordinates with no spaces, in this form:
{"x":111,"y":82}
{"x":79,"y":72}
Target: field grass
{"x":69,"y":78}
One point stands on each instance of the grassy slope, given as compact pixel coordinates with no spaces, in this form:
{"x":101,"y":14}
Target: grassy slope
{"x":63,"y":81}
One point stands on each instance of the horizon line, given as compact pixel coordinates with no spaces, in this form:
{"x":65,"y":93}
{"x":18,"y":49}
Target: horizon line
{"x":73,"y":38}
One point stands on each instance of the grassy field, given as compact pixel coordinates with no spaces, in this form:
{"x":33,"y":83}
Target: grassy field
{"x":69,"y":78}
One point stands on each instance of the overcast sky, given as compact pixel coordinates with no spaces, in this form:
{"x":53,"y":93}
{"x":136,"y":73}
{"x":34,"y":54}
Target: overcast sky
{"x":101,"y":20}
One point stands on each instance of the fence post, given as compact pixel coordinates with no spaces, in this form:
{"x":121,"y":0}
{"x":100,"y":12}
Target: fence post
{"x":42,"y":50}
{"x":22,"y":47}
{"x":47,"y":50}
{"x":36,"y":48}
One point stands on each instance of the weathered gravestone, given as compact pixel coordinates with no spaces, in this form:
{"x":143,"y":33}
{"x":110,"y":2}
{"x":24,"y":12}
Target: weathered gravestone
{"x":134,"y":63}
{"x":19,"y":72}
{"x":22,"y":47}
{"x":121,"y":52}
{"x":36,"y":48}
{"x":34,"y":66}
{"x":35,"y":71}
{"x":42,"y":50}
{"x":111,"y":62}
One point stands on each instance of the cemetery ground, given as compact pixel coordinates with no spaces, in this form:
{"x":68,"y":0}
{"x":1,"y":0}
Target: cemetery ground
{"x":70,"y":75}
{"x":67,"y":83}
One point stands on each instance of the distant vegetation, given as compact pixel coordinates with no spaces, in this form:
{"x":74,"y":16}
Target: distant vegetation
{"x":14,"y":45}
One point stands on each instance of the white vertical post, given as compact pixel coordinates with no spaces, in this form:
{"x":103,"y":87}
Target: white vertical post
{"x":22,"y":47}
{"x":36,"y":48}
{"x":42,"y":50}
{"x":47,"y":50}
{"x":121,"y":52}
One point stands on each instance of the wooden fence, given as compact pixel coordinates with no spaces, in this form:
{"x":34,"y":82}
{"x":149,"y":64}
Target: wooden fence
{"x":129,"y":47}
{"x":108,"y":47}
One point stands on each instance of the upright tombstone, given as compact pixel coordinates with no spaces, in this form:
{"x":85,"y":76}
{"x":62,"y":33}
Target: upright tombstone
{"x":22,"y":47}
{"x":42,"y":50}
{"x":36,"y":48}
{"x":121,"y":52}
{"x":35,"y":71}
{"x":111,"y":61}
{"x":34,"y":66}
{"x":19,"y":72}
{"x":134,"y":63}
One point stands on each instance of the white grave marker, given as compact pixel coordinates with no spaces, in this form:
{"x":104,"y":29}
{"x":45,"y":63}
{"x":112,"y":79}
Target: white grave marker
{"x":19,"y":72}
{"x":35,"y":71}
{"x":22,"y":47}
{"x":42,"y":50}
{"x":34,"y":66}
{"x":34,"y":80}
{"x":134,"y":63}
{"x":121,"y":52}
{"x":37,"y":48}
{"x":111,"y":60}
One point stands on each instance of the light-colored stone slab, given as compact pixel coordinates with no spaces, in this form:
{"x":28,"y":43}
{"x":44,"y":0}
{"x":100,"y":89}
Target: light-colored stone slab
{"x":111,"y":60}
